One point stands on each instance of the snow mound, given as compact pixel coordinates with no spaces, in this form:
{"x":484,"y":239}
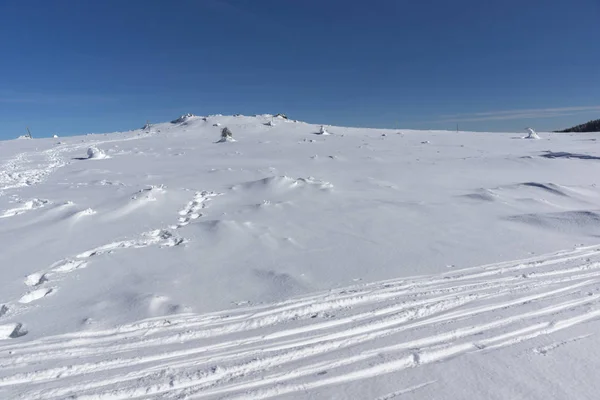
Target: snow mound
{"x":583,"y":222}
{"x":534,"y":195}
{"x":323,"y":131}
{"x":532,"y":134}
{"x":26,"y":206}
{"x":94,"y":153}
{"x":83,"y":213}
{"x":551,"y":188}
{"x":159,"y":305}
{"x":284,"y":183}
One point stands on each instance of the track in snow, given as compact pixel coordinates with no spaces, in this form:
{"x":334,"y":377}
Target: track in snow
{"x":18,"y":172}
{"x":41,"y":283}
{"x":33,"y":167}
{"x":310,"y":342}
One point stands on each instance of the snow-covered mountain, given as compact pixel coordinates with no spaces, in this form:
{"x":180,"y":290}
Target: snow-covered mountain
{"x":170,"y":262}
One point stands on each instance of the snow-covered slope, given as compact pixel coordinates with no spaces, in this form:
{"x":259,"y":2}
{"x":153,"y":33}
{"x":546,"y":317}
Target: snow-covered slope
{"x":160,"y":263}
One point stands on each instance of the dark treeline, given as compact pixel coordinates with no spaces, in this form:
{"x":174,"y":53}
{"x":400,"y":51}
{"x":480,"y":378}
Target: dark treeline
{"x":592,"y":126}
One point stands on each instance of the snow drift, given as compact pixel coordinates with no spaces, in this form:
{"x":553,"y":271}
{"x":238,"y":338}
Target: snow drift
{"x":365,"y":264}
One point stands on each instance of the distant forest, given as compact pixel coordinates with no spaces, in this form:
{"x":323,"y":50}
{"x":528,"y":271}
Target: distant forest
{"x":592,"y":126}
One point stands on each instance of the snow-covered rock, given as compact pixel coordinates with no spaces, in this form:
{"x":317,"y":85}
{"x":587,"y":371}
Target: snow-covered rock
{"x":226,"y":136}
{"x":183,"y":118}
{"x":323,"y":131}
{"x":532,"y":134}
{"x":94,"y":153}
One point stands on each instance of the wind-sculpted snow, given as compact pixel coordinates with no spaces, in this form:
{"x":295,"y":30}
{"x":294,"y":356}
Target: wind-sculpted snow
{"x":299,"y":261}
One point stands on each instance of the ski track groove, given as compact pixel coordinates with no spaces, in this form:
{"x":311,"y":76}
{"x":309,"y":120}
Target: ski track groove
{"x":312,"y":341}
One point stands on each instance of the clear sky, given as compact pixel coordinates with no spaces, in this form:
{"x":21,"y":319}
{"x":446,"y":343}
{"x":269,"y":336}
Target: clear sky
{"x":74,"y":66}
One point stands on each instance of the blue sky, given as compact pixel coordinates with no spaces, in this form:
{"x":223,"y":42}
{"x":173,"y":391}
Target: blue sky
{"x":70,"y":66}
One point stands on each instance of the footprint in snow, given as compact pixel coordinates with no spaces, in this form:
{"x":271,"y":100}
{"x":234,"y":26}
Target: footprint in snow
{"x":35,"y":295}
{"x":36,"y":279}
{"x":12,"y":331}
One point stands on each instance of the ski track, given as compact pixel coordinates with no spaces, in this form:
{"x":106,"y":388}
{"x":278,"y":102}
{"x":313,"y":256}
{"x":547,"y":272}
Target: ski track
{"x":310,"y":342}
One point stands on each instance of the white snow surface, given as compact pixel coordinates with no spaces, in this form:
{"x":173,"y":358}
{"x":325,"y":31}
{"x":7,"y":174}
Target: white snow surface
{"x":293,"y":265}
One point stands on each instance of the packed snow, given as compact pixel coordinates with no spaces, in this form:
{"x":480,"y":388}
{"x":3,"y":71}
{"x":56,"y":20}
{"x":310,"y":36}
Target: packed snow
{"x":290,"y":263}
